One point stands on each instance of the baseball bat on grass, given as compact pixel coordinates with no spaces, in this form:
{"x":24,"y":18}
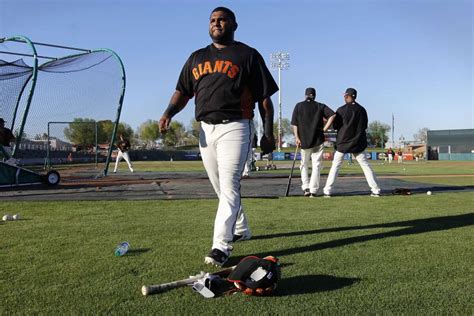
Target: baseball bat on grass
{"x":160,"y":288}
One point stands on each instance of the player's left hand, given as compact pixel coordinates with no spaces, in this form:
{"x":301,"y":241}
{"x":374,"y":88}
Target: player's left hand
{"x":164,"y":124}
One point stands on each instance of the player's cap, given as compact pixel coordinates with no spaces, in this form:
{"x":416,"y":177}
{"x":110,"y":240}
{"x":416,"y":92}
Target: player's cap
{"x":310,"y":92}
{"x":2,"y":120}
{"x":352,"y":92}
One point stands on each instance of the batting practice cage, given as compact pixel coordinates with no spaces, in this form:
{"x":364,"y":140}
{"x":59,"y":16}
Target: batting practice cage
{"x":62,"y":103}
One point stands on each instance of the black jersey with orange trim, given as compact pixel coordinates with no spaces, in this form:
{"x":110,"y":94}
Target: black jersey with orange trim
{"x":226,"y":82}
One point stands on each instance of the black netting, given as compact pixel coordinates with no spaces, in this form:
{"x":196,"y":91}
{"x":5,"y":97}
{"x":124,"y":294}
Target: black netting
{"x":13,"y":78}
{"x":76,"y":63}
{"x":79,"y":87}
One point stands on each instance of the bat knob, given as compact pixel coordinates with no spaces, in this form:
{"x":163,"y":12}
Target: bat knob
{"x":145,"y":290}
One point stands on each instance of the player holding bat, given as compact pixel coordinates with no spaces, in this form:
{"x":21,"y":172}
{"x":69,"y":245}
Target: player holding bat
{"x":226,"y":78}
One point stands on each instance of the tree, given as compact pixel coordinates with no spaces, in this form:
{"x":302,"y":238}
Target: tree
{"x":105,"y":129}
{"x":175,"y":136}
{"x":82,"y":131}
{"x":148,"y":132}
{"x":43,"y":136}
{"x":377,"y":133}
{"x":421,"y":135}
{"x":195,"y":128}
{"x":286,"y":130}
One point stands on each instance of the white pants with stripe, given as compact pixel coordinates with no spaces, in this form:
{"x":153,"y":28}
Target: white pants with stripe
{"x":248,"y":164}
{"x":363,"y":162}
{"x":314,"y":154}
{"x":126,"y":157}
{"x":224,"y":150}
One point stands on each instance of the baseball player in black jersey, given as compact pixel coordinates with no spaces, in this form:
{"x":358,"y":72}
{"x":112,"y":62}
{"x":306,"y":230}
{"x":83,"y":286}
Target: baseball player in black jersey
{"x":309,"y":127}
{"x":123,"y":148}
{"x":226,"y":78}
{"x":351,"y":123}
{"x":6,"y":138}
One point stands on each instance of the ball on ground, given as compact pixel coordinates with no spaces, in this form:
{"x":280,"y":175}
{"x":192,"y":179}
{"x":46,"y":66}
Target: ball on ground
{"x":16,"y":217}
{"x":7,"y":217}
{"x":428,"y":193}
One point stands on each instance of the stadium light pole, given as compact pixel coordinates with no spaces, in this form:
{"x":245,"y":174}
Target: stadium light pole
{"x":279,"y":61}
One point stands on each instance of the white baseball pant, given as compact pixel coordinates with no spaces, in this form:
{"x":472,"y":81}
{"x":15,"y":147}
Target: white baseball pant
{"x":248,"y":164}
{"x":224,"y":150}
{"x":126,"y":157}
{"x":314,"y":154}
{"x":363,"y":162}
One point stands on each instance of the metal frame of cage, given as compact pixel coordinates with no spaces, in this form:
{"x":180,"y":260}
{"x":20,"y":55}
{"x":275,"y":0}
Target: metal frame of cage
{"x":34,"y":76}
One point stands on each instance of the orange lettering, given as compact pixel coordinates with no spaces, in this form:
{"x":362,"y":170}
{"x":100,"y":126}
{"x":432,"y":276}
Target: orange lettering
{"x":226,"y":67}
{"x":218,"y":65}
{"x":200,"y":69}
{"x":207,"y":68}
{"x":233,"y":71}
{"x":195,"y":73}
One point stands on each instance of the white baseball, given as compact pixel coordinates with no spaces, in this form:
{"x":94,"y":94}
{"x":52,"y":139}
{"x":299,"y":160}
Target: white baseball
{"x":7,"y":217}
{"x":16,"y":217}
{"x":428,"y":193}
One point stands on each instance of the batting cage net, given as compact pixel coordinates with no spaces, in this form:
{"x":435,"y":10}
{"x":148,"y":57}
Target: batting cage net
{"x":63,"y":110}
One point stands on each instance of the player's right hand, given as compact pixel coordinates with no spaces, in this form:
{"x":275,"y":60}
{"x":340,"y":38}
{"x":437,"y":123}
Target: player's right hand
{"x":298,"y":142}
{"x":164,"y":124}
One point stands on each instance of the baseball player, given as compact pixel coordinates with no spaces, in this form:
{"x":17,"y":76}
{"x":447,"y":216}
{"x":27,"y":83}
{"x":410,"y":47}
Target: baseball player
{"x":308,"y":126}
{"x":123,"y":147}
{"x":390,"y":155}
{"x":226,"y":78}
{"x":351,"y":124}
{"x":6,"y":137}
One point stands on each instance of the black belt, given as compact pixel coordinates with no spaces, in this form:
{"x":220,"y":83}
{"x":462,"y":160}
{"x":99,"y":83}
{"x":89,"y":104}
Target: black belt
{"x":214,"y":122}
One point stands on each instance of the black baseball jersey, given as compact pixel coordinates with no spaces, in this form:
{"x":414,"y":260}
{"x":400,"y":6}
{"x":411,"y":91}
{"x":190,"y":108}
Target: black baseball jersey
{"x":226,"y":82}
{"x":123,"y":145}
{"x":351,"y":123}
{"x":6,"y":136}
{"x":308,"y":117}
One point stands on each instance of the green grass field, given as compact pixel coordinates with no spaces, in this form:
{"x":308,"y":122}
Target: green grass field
{"x":380,"y":167}
{"x":344,"y":255}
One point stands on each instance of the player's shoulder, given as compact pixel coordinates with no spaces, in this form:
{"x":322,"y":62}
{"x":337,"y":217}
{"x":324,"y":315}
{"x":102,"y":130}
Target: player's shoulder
{"x":246,"y":49}
{"x":342,"y":108}
{"x":360,"y":107}
{"x":200,"y":51}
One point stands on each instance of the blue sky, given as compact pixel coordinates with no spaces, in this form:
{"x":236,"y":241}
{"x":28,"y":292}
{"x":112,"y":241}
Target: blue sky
{"x":412,"y":58}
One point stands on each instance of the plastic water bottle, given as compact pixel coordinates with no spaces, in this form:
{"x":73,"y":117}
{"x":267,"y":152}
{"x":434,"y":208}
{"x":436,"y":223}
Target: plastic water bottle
{"x":122,"y":249}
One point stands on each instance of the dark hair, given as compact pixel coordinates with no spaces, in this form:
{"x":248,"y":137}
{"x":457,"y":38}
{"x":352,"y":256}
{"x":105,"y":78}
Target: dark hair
{"x":226,"y":10}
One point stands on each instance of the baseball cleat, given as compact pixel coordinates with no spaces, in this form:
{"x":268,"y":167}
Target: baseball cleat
{"x":313,"y":195}
{"x":306,"y":192}
{"x":216,"y":257}
{"x":327,"y":195}
{"x":375,"y":195}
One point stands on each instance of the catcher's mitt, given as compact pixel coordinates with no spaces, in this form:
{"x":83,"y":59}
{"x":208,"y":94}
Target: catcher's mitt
{"x":255,"y":276}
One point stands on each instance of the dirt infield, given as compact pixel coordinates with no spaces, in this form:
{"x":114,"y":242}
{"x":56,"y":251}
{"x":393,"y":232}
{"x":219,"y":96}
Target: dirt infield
{"x":84,"y":184}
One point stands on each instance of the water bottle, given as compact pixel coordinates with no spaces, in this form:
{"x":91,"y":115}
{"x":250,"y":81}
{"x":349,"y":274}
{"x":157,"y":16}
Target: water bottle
{"x":122,"y":249}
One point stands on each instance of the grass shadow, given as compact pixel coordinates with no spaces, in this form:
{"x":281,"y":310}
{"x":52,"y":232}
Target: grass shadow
{"x":411,"y":227}
{"x":306,"y":284}
{"x":137,"y":252}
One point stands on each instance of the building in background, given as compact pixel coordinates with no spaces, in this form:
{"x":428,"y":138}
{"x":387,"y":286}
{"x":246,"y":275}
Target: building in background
{"x":455,"y":144}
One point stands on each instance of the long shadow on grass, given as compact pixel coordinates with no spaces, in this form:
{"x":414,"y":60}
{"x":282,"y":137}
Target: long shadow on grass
{"x":305,"y":284}
{"x":137,"y":252}
{"x":413,"y":227}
